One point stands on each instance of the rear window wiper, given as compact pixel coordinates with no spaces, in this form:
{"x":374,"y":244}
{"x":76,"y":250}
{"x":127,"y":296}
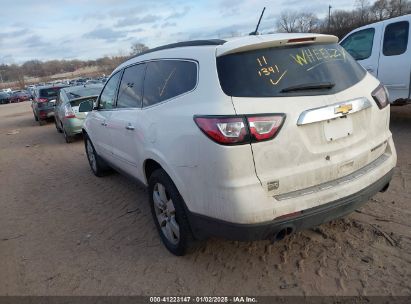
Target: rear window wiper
{"x":309,"y":86}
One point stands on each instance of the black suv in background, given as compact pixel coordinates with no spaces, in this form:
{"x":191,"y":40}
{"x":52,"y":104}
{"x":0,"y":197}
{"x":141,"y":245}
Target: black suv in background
{"x":44,"y":100}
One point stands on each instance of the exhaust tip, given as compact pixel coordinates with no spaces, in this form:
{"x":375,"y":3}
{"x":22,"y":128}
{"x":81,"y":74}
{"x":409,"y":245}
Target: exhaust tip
{"x":385,"y":188}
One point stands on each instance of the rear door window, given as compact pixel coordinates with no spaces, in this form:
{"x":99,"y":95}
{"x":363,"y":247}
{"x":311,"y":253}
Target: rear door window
{"x":130,"y":94}
{"x":396,"y":38}
{"x":326,"y":68}
{"x":359,"y":44}
{"x":166,"y":79}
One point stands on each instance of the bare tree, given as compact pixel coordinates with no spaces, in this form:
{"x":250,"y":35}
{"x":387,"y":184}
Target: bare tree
{"x":293,"y":22}
{"x":379,"y":10}
{"x":307,"y":22}
{"x":363,"y":11}
{"x":398,"y":7}
{"x":138,"y":48}
{"x":342,"y":22}
{"x":287,"y":22}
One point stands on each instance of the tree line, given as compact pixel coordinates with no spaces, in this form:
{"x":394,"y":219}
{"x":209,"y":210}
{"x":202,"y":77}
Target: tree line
{"x":341,"y":22}
{"x":338,"y":23}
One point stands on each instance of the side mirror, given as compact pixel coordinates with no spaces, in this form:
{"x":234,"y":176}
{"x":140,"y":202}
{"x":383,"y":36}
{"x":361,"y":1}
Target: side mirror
{"x":86,"y":106}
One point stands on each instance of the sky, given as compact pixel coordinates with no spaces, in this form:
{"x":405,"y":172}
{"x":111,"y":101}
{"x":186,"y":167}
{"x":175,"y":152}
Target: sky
{"x":89,"y":29}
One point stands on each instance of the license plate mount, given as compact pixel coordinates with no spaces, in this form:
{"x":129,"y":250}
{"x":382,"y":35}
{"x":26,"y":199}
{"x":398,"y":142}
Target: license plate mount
{"x":337,"y":128}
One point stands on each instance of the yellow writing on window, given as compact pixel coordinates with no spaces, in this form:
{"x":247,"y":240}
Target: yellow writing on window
{"x":274,"y":73}
{"x":310,"y":56}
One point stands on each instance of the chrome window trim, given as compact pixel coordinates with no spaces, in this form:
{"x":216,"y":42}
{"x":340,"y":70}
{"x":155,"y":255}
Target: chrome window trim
{"x":328,"y":112}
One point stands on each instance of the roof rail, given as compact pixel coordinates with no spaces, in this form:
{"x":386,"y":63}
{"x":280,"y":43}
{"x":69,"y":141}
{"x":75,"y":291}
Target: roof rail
{"x":183,"y":44}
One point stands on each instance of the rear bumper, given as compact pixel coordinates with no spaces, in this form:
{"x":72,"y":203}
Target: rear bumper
{"x":73,"y":125}
{"x":44,"y":113}
{"x":203,"y":226}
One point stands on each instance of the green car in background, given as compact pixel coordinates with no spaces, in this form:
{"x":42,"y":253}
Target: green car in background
{"x":67,"y":117}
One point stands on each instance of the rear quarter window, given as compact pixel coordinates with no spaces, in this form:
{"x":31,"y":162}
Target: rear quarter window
{"x":267,"y":72}
{"x":166,"y":79}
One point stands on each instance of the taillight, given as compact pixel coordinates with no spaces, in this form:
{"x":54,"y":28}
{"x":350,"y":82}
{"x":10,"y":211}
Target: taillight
{"x":224,"y":130}
{"x":68,"y":112}
{"x":380,"y":96}
{"x":235,"y":130}
{"x":265,"y":127}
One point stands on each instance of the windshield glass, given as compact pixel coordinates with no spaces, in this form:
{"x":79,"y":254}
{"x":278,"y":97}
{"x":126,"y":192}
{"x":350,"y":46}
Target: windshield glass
{"x":50,"y":92}
{"x":73,"y":93}
{"x":273,"y":71}
{"x":76,"y":102}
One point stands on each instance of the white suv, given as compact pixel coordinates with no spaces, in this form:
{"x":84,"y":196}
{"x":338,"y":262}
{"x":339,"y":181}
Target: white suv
{"x":246,"y":139}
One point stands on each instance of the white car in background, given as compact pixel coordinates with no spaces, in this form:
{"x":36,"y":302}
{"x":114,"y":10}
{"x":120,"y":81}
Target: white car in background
{"x":252,"y":138}
{"x":384,"y":50}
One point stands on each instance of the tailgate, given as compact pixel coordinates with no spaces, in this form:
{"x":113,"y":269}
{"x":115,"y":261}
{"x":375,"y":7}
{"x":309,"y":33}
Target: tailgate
{"x":308,"y":154}
{"x":329,"y":131}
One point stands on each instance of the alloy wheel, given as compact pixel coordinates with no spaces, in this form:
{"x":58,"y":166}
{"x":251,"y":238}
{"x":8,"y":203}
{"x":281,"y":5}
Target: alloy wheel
{"x":166,"y":213}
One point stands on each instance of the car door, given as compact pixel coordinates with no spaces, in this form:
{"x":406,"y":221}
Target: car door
{"x":98,"y":120}
{"x":395,"y":61}
{"x":364,"y":46}
{"x":126,"y":123}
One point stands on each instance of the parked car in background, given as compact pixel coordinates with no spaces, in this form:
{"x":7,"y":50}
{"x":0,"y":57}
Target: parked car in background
{"x":30,"y":90}
{"x":251,"y":138}
{"x":67,"y":118}
{"x":4,"y":97}
{"x":384,"y":50}
{"x":44,"y":102}
{"x":18,"y":96}
{"x":93,"y":81}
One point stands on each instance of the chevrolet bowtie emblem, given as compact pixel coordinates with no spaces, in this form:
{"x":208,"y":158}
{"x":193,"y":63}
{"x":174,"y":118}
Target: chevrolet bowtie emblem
{"x":343,"y":109}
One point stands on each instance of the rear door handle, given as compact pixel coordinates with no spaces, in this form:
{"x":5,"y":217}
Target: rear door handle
{"x":130,"y":127}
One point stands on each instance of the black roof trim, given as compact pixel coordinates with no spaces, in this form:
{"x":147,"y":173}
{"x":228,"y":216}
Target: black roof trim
{"x":183,"y":44}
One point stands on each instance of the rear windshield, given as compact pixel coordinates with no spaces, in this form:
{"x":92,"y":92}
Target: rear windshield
{"x":83,"y":92}
{"x":50,"y":92}
{"x":275,"y":71}
{"x":76,"y":102}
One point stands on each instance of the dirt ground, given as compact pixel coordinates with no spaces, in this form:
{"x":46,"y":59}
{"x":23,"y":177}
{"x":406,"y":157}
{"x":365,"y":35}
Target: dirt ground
{"x":64,"y":231}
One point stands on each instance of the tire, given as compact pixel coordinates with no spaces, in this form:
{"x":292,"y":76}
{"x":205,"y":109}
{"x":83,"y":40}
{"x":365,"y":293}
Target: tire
{"x":170,"y":216}
{"x":68,"y":138}
{"x":97,"y":164}
{"x":57,"y":126}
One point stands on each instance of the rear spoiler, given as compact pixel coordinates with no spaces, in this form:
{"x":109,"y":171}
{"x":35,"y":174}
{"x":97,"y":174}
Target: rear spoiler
{"x":251,"y":43}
